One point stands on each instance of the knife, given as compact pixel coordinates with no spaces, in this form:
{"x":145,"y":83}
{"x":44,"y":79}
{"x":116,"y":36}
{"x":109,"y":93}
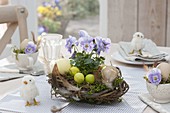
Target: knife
{"x":33,"y":73}
{"x":30,"y":72}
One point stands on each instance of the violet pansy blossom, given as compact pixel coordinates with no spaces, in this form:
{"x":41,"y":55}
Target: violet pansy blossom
{"x":46,"y":4}
{"x":87,"y":43}
{"x":42,"y":29}
{"x":154,"y":76}
{"x":88,"y":46}
{"x":70,"y":42}
{"x":83,"y":33}
{"x":57,"y":1}
{"x":30,"y":48}
{"x":102,"y":44}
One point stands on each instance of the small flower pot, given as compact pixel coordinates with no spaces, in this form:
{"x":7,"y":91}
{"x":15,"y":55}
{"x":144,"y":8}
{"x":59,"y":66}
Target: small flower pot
{"x":25,"y":61}
{"x":160,"y":93}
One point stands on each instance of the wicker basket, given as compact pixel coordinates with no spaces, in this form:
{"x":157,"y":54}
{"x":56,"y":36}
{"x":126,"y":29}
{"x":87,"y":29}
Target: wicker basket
{"x":68,"y":89}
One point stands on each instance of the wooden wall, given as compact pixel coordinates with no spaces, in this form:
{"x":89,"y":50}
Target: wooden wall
{"x":168,"y":25}
{"x":151,"y":17}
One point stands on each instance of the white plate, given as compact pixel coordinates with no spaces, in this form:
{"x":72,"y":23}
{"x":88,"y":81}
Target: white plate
{"x":116,"y":56}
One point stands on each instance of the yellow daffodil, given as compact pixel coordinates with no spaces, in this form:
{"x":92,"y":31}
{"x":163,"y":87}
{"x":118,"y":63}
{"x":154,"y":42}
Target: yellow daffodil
{"x":59,"y":13}
{"x":41,"y":9}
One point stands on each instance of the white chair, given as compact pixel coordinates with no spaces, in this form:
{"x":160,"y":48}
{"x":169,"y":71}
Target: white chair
{"x":13,"y":15}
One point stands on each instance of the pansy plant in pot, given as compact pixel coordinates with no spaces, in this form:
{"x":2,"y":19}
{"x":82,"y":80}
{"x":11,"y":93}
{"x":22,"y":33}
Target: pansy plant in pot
{"x":158,"y":82}
{"x":84,"y":76}
{"x":26,"y":55}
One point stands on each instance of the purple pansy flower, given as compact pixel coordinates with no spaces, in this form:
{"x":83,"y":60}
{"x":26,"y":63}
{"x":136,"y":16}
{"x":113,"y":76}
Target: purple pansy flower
{"x":70,"y":42}
{"x":46,"y":4}
{"x":83,"y":33}
{"x":73,"y":55}
{"x":87,"y":43}
{"x":30,"y":48}
{"x":102,"y":44}
{"x":41,"y":29}
{"x":57,"y":1}
{"x":154,"y":76}
{"x":88,"y":46}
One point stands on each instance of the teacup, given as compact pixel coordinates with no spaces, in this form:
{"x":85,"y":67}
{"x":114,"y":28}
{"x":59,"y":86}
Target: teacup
{"x":25,"y":61}
{"x":160,"y":93}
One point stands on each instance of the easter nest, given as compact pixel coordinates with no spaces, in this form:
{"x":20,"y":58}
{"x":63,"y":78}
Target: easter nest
{"x":65,"y":86}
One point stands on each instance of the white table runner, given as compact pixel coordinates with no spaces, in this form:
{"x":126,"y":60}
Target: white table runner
{"x":130,"y":102}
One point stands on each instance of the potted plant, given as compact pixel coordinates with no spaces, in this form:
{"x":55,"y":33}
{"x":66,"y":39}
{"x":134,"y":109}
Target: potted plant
{"x":158,"y":82}
{"x":85,"y":77}
{"x":26,"y":55}
{"x":52,"y":18}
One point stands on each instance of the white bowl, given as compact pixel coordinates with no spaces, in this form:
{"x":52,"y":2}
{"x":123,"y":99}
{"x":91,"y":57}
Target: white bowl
{"x":160,"y":93}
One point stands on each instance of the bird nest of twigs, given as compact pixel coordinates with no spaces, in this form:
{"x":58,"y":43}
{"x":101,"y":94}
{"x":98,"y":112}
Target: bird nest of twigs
{"x":96,"y":93}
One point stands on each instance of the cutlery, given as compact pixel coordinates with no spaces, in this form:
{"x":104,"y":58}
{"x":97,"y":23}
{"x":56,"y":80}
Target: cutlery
{"x":30,"y":72}
{"x":33,"y":73}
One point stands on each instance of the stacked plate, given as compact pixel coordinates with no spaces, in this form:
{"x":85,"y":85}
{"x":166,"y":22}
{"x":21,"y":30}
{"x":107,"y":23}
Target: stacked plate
{"x":150,"y":54}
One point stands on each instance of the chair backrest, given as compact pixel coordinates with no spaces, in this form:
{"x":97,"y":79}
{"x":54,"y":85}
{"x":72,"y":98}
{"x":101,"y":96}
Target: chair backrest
{"x":13,"y":15}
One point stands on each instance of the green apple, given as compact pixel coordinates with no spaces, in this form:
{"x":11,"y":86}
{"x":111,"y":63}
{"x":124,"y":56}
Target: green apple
{"x":90,"y":78}
{"x":79,"y":78}
{"x":73,"y":70}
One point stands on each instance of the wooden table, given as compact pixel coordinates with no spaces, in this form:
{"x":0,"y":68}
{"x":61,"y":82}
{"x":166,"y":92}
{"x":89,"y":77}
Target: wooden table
{"x":8,"y":86}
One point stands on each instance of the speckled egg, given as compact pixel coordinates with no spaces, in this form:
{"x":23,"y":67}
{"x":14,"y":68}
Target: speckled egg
{"x":165,"y":70}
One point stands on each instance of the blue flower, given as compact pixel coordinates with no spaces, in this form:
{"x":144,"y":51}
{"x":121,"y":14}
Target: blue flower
{"x":70,"y":42}
{"x":41,"y":29}
{"x":73,"y":55}
{"x":83,"y":33}
{"x":46,"y":4}
{"x":30,"y":48}
{"x":87,"y":43}
{"x":154,"y":76}
{"x":88,"y":46}
{"x":102,"y":44}
{"x":57,"y":1}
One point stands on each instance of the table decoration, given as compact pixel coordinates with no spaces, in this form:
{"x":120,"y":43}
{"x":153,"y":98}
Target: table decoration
{"x":87,"y":78}
{"x":137,"y":43}
{"x":26,"y":55}
{"x":29,"y":90}
{"x":141,"y":49}
{"x":157,"y":82}
{"x":150,"y":53}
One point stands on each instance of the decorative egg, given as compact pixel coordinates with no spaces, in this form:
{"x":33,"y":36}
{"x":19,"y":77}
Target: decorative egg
{"x":63,"y":65}
{"x":24,"y":43}
{"x":165,"y":70}
{"x":109,"y":73}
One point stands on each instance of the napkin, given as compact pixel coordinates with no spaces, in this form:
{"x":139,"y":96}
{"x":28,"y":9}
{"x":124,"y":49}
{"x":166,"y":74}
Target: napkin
{"x":7,"y":65}
{"x":150,"y":52}
{"x":9,"y":70}
{"x":161,"y":108}
{"x":14,"y":103}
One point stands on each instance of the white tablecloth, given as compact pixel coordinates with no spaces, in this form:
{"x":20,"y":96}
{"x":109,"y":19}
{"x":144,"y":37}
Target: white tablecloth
{"x":130,"y":101}
{"x":133,"y":75}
